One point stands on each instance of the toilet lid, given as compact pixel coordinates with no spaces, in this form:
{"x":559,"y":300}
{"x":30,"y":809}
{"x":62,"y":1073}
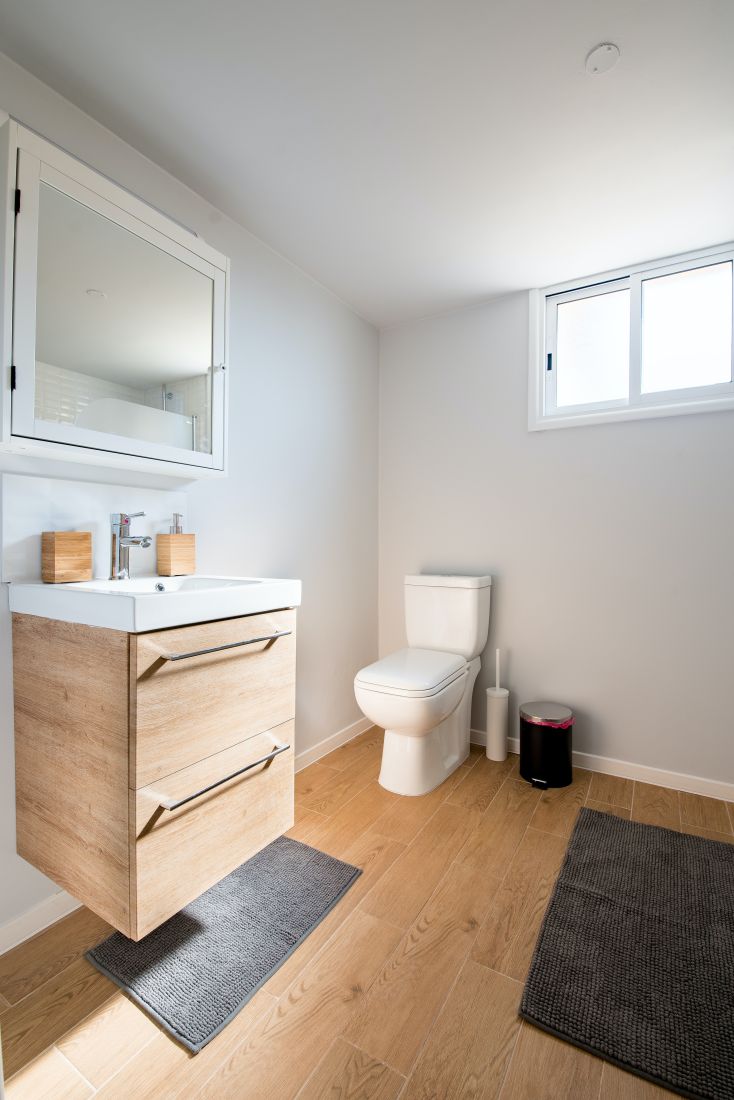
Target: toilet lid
{"x":412,"y":672}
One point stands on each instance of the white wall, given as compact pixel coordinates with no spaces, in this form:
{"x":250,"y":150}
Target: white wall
{"x":34,"y":504}
{"x":611,"y":545}
{"x":301,"y":498}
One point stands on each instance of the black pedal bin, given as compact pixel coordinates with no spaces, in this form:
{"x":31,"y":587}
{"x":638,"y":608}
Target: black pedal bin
{"x":545,"y":744}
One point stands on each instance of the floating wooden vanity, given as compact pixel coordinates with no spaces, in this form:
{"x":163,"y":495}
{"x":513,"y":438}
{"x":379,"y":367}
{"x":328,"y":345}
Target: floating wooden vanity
{"x":149,"y":766}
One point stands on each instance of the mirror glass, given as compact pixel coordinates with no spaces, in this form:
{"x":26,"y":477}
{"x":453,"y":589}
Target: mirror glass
{"x":123,"y":331}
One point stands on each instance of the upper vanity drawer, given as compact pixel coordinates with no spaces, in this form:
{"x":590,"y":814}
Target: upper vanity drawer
{"x":196,"y":690}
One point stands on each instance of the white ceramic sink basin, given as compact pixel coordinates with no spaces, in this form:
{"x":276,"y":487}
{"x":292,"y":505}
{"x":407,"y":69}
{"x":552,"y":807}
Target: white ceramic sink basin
{"x":153,"y":603}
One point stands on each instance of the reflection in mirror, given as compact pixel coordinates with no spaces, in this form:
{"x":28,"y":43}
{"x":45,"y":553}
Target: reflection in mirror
{"x":123,"y":331}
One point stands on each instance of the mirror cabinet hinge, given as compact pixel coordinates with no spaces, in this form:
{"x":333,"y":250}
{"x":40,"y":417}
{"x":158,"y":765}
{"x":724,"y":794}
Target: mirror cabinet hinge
{"x":12,"y":377}
{"x":549,"y":362}
{"x":17,"y":200}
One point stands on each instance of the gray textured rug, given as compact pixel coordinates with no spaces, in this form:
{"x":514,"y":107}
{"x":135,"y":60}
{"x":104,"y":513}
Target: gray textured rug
{"x":202,"y":966}
{"x":635,"y":958}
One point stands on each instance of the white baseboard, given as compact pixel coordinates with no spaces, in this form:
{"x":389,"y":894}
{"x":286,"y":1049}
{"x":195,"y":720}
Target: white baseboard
{"x":36,"y":919}
{"x":607,"y":765}
{"x":310,"y":756}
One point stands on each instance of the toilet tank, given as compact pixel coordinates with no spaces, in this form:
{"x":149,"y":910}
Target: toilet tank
{"x":449,"y":613}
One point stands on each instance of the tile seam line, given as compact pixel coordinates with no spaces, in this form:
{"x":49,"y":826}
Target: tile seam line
{"x":76,"y":1069}
{"x":127,"y":1062}
{"x":235,"y":1048}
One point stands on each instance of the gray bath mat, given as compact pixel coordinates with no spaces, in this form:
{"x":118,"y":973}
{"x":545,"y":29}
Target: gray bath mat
{"x":635,"y":958}
{"x":202,"y":966}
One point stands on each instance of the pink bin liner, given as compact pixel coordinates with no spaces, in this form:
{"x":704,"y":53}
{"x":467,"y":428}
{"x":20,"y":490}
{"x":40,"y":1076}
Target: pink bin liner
{"x":547,"y":722}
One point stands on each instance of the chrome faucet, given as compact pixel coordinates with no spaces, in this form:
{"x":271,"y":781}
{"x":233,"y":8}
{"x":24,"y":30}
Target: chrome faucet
{"x":121,"y":541}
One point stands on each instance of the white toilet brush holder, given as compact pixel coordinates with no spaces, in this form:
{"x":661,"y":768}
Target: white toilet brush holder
{"x":497,"y":712}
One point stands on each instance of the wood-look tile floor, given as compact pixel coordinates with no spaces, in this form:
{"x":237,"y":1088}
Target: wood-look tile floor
{"x":408,"y":989}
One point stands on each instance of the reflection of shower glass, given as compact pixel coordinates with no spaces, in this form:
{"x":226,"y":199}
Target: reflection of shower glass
{"x":123,"y":330}
{"x":172,"y":401}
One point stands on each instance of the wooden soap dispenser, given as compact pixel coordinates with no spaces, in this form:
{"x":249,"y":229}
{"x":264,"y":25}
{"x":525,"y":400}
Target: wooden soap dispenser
{"x":176,"y":551}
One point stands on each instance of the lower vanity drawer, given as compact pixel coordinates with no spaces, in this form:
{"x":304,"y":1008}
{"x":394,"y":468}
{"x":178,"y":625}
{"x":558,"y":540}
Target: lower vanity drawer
{"x":192,"y":828}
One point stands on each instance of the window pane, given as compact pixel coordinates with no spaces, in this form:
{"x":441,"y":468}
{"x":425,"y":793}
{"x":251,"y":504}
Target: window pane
{"x":592,"y":349}
{"x":686,"y":329}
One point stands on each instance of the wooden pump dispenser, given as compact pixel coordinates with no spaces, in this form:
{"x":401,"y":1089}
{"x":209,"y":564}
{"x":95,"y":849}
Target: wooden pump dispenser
{"x":176,"y":551}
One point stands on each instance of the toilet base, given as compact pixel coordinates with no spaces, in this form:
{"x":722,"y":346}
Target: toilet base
{"x":414,"y":764}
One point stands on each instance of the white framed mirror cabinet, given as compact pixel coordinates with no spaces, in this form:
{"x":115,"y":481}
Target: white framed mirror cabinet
{"x":114,"y":321}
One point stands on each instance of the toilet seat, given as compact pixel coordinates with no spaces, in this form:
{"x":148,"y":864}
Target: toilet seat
{"x":412,"y":673}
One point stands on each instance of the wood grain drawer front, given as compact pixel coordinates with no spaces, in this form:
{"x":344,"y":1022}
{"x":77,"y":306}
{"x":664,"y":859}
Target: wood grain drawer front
{"x":179,"y":853}
{"x":189,"y":708}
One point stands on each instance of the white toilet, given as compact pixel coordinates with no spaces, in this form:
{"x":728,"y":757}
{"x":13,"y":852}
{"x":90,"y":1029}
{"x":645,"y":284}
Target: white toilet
{"x":421,"y":696}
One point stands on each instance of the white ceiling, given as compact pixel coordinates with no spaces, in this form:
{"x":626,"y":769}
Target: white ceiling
{"x":416,"y":155}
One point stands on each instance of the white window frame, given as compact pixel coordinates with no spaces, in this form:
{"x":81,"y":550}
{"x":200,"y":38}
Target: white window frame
{"x":542,"y":410}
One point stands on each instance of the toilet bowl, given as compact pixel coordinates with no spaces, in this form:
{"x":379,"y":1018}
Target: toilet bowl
{"x":421,"y":696}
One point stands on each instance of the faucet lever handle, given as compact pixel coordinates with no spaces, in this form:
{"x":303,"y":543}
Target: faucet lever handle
{"x":119,"y":519}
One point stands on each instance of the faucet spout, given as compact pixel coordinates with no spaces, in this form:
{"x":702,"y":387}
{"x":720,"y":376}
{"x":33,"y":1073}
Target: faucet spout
{"x":120,"y":542}
{"x":136,"y":540}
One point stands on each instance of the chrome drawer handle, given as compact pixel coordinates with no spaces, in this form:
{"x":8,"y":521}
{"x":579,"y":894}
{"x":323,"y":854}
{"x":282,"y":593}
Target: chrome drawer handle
{"x":221,"y":648}
{"x":171,"y":804}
